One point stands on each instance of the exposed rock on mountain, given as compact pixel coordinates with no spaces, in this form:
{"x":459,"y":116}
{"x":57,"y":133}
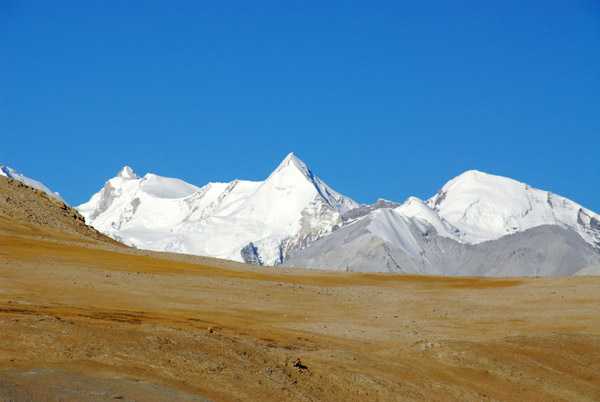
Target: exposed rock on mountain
{"x":13,"y":174}
{"x":477,"y":224}
{"x":26,"y":205}
{"x":547,"y":250}
{"x":256,"y":222}
{"x":293,"y":218}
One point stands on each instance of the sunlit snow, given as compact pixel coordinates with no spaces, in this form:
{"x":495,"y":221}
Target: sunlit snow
{"x":218,"y":219}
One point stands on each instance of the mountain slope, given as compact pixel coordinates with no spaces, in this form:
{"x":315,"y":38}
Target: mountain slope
{"x":258,"y":222}
{"x":485,"y":207}
{"x":22,"y":206}
{"x":477,"y":224}
{"x":13,"y":174}
{"x":387,"y":241}
{"x":295,"y":219}
{"x":77,"y":318}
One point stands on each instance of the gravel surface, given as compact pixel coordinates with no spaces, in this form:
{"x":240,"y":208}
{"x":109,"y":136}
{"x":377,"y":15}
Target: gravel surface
{"x":82,"y":317}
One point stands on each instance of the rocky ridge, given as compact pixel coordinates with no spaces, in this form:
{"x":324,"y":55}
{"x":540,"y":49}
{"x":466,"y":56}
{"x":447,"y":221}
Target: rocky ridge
{"x":24,"y":204}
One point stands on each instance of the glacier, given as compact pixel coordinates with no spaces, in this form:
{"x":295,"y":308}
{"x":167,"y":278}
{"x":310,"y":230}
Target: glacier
{"x":484,"y":207}
{"x":261,"y":222}
{"x":293,"y":218}
{"x":477,"y":224}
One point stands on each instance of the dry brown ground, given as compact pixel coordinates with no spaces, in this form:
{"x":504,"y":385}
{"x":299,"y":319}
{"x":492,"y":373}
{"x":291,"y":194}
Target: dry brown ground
{"x":86,"y":320}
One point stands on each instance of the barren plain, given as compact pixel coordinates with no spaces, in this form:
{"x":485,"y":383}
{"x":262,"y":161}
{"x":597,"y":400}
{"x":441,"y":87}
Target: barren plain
{"x":82,"y":318}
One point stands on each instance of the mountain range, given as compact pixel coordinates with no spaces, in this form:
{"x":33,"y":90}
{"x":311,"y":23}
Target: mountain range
{"x":256,"y":222}
{"x":477,"y":224}
{"x":79,"y":312}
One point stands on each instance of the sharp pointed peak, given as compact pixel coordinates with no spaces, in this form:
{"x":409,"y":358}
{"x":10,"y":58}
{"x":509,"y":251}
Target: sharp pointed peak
{"x":291,"y":157}
{"x":292,"y":166}
{"x":128,"y":173}
{"x":291,"y":160}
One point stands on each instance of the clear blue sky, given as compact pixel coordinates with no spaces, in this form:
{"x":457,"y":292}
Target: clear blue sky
{"x":380,"y":98}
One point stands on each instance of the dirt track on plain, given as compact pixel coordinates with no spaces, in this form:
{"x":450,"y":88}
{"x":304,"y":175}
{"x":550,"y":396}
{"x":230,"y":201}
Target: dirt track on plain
{"x":88,"y":320}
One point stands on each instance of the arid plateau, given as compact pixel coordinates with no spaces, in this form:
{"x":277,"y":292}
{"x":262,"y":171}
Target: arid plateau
{"x":85,"y":318}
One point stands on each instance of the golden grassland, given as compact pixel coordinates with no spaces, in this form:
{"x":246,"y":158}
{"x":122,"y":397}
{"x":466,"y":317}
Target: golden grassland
{"x":137,"y":325}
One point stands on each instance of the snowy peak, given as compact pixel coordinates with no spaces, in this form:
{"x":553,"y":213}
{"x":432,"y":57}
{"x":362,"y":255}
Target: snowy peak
{"x":118,"y":204}
{"x":293,"y":170}
{"x":13,"y":174}
{"x":292,"y":160}
{"x":293,"y":173}
{"x":477,"y":224}
{"x":127,"y":173}
{"x":152,"y":184}
{"x":482,"y":205}
{"x":485,"y":207}
{"x":476,"y":185}
{"x":269,"y":221}
{"x":263,"y":221}
{"x":166,"y":187}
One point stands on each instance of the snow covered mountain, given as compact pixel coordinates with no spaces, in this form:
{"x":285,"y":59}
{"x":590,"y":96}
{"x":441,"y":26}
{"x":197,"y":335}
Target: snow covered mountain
{"x":547,"y":250}
{"x":293,"y":218}
{"x":13,"y":174}
{"x":477,"y":224}
{"x":256,"y":222}
{"x":485,"y":207}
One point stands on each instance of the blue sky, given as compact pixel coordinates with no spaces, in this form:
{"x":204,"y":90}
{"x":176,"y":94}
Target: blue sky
{"x":380,"y":99}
